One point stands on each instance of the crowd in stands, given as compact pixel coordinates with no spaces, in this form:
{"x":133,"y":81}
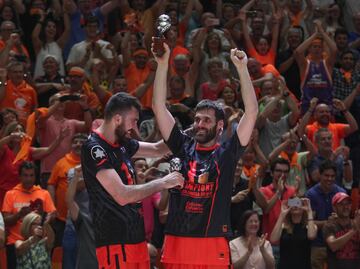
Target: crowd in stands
{"x":296,"y":188}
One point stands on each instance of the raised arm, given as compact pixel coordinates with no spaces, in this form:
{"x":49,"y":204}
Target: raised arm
{"x":276,"y":232}
{"x":353,"y":126}
{"x":299,"y":52}
{"x":330,"y":60}
{"x":109,"y":6}
{"x":35,"y":36}
{"x":62,"y":40}
{"x":248,"y":42}
{"x":270,"y":106}
{"x":163,"y":116}
{"x":247,"y":121}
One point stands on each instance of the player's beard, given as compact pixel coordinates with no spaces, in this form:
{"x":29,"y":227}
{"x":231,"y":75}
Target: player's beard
{"x":207,"y":136}
{"x":121,"y":134}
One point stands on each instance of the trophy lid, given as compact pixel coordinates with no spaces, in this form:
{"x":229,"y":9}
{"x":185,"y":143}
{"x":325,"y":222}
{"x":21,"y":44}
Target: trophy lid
{"x":163,"y":24}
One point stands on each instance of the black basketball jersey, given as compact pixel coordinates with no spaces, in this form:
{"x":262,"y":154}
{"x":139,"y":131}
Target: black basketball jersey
{"x":202,"y":207}
{"x":113,"y":223}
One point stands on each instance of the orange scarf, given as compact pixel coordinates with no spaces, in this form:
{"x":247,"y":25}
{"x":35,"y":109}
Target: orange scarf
{"x":347,"y":75}
{"x":250,"y":174}
{"x":26,"y":142}
{"x":294,"y":159}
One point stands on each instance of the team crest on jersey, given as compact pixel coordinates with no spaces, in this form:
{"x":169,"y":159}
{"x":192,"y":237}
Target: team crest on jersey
{"x":98,"y":153}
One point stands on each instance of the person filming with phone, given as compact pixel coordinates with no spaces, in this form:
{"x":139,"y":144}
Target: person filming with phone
{"x":295,"y":228}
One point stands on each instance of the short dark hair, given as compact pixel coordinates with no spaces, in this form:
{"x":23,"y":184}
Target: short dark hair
{"x":119,"y":103}
{"x":244,"y":218}
{"x":348,"y":51}
{"x":91,"y":19}
{"x":208,"y":104}
{"x":79,"y":136}
{"x":26,"y":165}
{"x":327,"y":165}
{"x":340,"y":31}
{"x":278,"y":160}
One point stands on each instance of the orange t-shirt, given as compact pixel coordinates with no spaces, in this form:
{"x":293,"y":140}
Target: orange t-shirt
{"x":19,"y":197}
{"x":22,"y":98}
{"x":269,"y":58}
{"x":135,"y":77}
{"x":337,"y":130}
{"x":58,"y":179}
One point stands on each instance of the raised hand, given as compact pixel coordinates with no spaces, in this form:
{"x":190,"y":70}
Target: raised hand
{"x":262,"y":241}
{"x":164,"y":59}
{"x":339,"y":105}
{"x":284,"y":208}
{"x":239,"y":58}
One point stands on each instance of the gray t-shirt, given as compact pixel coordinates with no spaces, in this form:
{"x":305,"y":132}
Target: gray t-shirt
{"x":270,"y":134}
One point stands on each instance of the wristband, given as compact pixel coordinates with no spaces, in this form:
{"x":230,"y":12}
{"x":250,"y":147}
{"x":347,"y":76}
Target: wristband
{"x":344,"y":111}
{"x":310,"y":219}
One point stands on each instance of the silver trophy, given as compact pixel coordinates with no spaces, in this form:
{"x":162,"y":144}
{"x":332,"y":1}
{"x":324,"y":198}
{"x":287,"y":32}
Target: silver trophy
{"x":175,"y":166}
{"x":163,"y":24}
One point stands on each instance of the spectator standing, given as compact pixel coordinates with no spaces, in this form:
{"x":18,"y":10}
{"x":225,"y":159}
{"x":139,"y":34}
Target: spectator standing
{"x":16,"y":93}
{"x":44,"y":42}
{"x":341,"y":234}
{"x":77,"y":201}
{"x":251,"y":250}
{"x":320,"y":197}
{"x":315,"y":70}
{"x":24,"y":198}
{"x":58,"y":183}
{"x":33,"y":249}
{"x":295,"y":228}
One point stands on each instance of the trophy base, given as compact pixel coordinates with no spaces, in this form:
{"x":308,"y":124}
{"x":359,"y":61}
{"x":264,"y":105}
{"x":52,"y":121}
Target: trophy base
{"x":158,"y":47}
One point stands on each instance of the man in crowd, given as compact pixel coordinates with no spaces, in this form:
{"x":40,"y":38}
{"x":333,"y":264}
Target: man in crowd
{"x":16,"y":93}
{"x":199,"y":214}
{"x":320,"y":197}
{"x":21,"y":200}
{"x":341,"y":234}
{"x":57,"y":184}
{"x":111,"y":184}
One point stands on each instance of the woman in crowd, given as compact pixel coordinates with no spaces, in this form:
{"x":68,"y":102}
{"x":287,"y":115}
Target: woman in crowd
{"x":251,"y":250}
{"x":45,"y":41}
{"x":295,"y":228}
{"x":262,"y":51}
{"x":34,"y":250}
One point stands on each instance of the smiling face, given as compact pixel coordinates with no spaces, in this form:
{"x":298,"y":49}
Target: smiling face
{"x":327,"y":179}
{"x":322,"y":114}
{"x":206,"y":127}
{"x":50,"y":30}
{"x":252,"y":225}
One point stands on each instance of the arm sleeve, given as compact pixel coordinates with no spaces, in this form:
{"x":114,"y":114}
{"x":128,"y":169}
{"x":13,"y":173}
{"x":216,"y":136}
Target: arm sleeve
{"x":177,"y":140}
{"x":48,"y":203}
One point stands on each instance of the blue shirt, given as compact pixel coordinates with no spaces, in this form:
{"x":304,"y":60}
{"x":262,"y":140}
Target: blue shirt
{"x":321,"y":204}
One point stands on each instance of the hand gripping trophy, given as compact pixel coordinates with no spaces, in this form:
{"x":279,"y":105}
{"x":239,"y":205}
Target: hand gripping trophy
{"x":163,"y":24}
